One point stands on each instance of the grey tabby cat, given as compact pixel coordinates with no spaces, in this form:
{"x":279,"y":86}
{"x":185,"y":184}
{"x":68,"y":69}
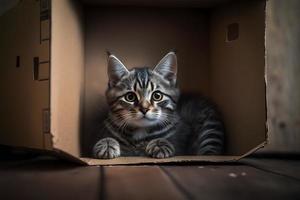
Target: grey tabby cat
{"x":148,"y":117}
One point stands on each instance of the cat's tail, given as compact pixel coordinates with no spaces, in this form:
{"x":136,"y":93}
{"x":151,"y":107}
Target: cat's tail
{"x":206,"y":124}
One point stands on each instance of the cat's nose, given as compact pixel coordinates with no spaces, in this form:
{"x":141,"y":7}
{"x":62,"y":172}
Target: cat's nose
{"x":144,"y":110}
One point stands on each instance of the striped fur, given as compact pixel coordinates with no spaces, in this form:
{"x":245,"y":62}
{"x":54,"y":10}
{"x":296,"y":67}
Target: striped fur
{"x":148,"y":116}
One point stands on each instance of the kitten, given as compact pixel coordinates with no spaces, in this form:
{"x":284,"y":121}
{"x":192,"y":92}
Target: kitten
{"x":148,"y":117}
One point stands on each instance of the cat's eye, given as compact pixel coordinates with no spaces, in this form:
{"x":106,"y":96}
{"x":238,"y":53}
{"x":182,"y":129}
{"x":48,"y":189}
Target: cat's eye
{"x":157,"y":96}
{"x":130,"y":97}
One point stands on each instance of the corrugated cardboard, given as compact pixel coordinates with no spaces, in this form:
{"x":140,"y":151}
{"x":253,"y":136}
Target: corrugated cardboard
{"x":71,"y":92}
{"x":22,"y":98}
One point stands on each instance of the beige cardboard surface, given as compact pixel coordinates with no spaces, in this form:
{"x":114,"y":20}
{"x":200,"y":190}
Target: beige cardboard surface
{"x":67,"y":61}
{"x":237,"y":74}
{"x":145,"y":160}
{"x":22,"y":98}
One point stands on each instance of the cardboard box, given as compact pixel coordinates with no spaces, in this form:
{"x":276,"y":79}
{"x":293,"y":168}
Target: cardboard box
{"x":53,"y":67}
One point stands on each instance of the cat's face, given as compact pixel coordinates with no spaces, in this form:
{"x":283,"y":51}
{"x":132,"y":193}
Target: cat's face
{"x":142,"y":97}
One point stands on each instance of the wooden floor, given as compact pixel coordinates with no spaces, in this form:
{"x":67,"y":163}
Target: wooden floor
{"x":48,"y":178}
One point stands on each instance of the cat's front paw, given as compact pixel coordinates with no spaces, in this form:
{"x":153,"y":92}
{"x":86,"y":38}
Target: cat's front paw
{"x":160,"y":148}
{"x":107,"y":148}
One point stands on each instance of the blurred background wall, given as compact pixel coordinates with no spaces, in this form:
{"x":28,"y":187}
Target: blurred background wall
{"x":283,"y":75}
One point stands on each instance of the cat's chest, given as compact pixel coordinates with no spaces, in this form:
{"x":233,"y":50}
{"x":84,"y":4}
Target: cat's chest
{"x":137,"y":149}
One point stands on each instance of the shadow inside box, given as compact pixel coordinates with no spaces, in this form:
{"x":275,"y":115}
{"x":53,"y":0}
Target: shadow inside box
{"x":18,"y":158}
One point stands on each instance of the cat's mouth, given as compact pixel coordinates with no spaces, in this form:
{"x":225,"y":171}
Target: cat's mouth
{"x":147,"y":118}
{"x":144,"y":121}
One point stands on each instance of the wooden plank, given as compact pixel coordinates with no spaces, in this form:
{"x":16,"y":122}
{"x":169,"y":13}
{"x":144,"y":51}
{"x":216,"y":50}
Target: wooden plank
{"x":138,"y":182}
{"x":48,"y":179}
{"x":284,"y":167}
{"x":232,"y":182}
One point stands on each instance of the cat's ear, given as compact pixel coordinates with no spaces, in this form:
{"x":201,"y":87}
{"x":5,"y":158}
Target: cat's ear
{"x":115,"y":69}
{"x":167,"y":67}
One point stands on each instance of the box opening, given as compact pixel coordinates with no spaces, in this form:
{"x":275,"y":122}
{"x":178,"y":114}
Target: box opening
{"x":232,"y":74}
{"x":221,"y":54}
